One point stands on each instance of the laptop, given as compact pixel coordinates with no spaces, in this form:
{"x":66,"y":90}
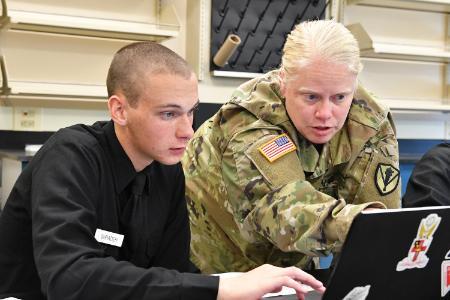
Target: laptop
{"x":394,"y":254}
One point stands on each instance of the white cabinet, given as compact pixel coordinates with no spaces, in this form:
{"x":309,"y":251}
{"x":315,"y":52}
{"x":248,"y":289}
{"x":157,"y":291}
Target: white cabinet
{"x":57,"y":53}
{"x":129,"y":20}
{"x":371,"y":47}
{"x":405,"y":50}
{"x":42,"y":69}
{"x":421,"y":5}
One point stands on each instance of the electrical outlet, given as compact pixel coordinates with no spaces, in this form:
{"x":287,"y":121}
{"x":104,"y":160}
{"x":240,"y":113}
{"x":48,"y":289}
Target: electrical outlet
{"x":27,"y":118}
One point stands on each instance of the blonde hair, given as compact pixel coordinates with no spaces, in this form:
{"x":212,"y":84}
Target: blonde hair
{"x":326,"y":39}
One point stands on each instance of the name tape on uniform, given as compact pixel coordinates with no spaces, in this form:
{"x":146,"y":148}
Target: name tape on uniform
{"x":108,"y":237}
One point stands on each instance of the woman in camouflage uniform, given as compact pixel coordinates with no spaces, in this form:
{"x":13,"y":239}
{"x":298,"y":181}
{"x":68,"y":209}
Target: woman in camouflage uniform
{"x":278,"y":174}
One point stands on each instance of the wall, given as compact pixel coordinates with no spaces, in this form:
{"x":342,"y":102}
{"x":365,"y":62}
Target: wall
{"x":52,"y":119}
{"x":403,"y":81}
{"x":384,"y":78}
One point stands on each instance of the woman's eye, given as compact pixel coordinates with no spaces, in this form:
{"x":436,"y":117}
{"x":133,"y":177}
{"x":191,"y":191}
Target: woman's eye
{"x":311,"y":97}
{"x":339,"y":97}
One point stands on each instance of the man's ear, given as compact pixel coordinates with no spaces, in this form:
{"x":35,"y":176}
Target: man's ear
{"x":117,"y":106}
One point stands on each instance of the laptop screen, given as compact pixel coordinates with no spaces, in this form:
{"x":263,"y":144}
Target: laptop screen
{"x":395,"y":254}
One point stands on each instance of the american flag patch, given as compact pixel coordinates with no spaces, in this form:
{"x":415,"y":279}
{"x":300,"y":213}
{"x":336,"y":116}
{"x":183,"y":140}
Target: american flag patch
{"x":277,"y":147}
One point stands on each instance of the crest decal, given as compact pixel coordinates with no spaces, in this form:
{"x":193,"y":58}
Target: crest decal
{"x":416,"y":257}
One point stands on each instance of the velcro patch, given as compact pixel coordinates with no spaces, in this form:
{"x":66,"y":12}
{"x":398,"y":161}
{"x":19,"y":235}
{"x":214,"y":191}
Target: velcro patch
{"x":277,"y":147}
{"x":386,"y":178}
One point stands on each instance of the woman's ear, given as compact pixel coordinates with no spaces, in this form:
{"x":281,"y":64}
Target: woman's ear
{"x":117,"y":106}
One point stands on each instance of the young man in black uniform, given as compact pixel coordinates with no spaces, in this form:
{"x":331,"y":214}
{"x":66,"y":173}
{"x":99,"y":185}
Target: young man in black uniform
{"x":429,"y":184}
{"x":100,"y":213}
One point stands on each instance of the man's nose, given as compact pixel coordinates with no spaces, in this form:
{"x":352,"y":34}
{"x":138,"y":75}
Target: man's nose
{"x":185,"y":130}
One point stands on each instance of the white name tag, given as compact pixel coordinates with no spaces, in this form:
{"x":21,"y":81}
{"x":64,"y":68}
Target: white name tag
{"x":108,"y":237}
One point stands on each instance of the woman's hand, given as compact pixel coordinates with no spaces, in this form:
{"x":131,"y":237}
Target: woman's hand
{"x":267,"y":279}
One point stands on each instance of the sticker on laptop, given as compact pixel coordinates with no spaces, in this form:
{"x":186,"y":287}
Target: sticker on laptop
{"x":447,"y":256}
{"x":417,"y":257}
{"x":358,"y":293}
{"x":445,"y":278}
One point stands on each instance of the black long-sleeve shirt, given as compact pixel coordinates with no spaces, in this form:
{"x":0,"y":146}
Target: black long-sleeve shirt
{"x":80,"y":181}
{"x":429,"y":184}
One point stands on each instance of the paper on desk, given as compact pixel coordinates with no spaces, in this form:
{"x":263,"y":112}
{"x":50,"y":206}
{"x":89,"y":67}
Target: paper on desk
{"x":284,"y":291}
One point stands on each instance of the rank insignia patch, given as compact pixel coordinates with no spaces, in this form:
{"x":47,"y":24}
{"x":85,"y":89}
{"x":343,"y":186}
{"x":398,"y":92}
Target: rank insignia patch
{"x":386,"y":178}
{"x":277,"y":147}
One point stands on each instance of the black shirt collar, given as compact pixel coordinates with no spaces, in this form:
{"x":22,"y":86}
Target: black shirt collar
{"x":123,"y":169}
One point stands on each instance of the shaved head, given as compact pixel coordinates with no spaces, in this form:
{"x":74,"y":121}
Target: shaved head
{"x":135,"y":62}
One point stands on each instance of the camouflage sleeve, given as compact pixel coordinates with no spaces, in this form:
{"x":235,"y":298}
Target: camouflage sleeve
{"x":296,"y":217}
{"x":275,"y":201}
{"x":373,"y":175}
{"x":243,"y":204}
{"x":378,"y":163}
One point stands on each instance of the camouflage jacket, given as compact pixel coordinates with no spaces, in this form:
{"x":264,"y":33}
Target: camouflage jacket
{"x":246,"y":211}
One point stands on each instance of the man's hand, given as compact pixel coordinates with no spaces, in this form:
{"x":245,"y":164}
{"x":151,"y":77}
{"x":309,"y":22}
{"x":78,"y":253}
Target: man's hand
{"x":267,"y":279}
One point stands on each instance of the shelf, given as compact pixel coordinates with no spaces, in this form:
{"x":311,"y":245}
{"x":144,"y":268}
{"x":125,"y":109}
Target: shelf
{"x":50,"y":94}
{"x":54,"y":95}
{"x":53,"y":101}
{"x":442,"y":6}
{"x":46,"y":94}
{"x":371,"y":48}
{"x":166,"y":27}
{"x":416,"y":105}
{"x":50,"y":88}
{"x":38,"y":69}
{"x":58,"y":54}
